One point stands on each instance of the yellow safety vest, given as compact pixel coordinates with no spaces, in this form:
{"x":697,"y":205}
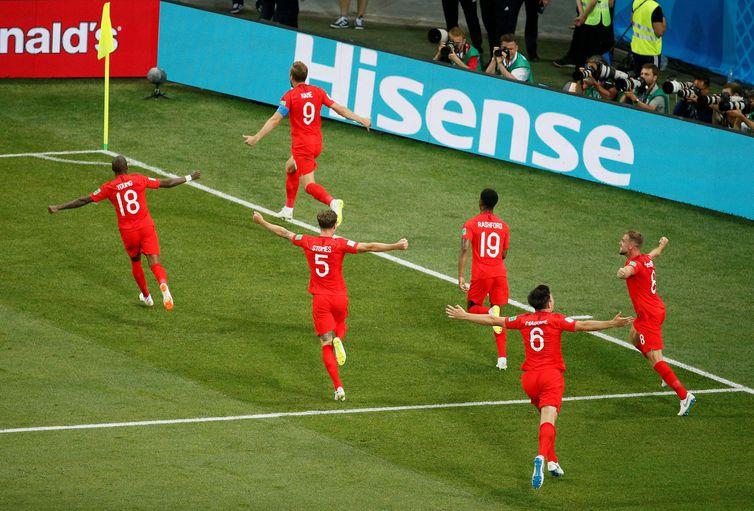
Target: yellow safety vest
{"x":600,"y":13}
{"x":645,"y":41}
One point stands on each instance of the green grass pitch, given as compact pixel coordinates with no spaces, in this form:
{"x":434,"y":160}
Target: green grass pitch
{"x":76,"y":348}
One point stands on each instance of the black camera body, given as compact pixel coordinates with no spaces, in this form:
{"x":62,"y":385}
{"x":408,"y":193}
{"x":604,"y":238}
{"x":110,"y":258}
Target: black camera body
{"x":602,"y":72}
{"x":502,"y":51}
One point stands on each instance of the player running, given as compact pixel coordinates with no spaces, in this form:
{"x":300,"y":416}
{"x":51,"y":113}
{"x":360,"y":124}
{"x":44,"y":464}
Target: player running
{"x":325,"y":253}
{"x":303,"y":102}
{"x":487,"y":236}
{"x":543,"y":366}
{"x":646,"y":332}
{"x":127,"y":193}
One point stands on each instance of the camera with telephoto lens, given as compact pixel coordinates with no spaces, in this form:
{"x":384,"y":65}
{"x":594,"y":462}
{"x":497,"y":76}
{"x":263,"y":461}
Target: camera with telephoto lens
{"x":502,"y":51}
{"x":725,"y":102}
{"x":601,"y":72}
{"x":447,"y":49}
{"x":638,"y":85}
{"x":675,"y":87}
{"x":689,"y":93}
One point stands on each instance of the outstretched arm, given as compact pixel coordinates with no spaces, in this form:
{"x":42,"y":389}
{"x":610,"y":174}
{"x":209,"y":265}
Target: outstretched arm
{"x":76,"y":203}
{"x":175,"y":181}
{"x":348,"y":114}
{"x":270,"y":125}
{"x":656,"y":252}
{"x":463,"y":258}
{"x":401,"y":244}
{"x":274,"y":229}
{"x":457,"y":312}
{"x":591,"y":326}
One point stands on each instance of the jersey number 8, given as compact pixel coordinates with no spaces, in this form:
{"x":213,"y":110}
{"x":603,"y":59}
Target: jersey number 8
{"x":309,"y":113}
{"x":131,"y":200}
{"x":490,"y":245}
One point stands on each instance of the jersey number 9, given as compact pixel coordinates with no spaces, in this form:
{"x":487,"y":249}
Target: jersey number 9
{"x":309,"y":113}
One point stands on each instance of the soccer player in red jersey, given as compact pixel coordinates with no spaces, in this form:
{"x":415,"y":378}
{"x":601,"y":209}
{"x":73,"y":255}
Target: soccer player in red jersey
{"x":325,"y":253}
{"x":646,"y":332}
{"x":127,"y":194}
{"x":486,"y":236}
{"x":543,"y":366}
{"x":302,"y":104}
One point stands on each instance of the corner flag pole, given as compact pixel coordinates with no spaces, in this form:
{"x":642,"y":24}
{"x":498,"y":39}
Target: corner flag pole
{"x":106,"y":47}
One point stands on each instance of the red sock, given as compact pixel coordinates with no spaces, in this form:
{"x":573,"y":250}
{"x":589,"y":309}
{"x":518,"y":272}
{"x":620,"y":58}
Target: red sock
{"x":159,"y":273}
{"x":291,"y":189}
{"x":138,"y":273}
{"x":669,"y":377}
{"x":551,"y":456}
{"x":500,"y":341}
{"x":340,"y":330}
{"x":479,"y":309}
{"x":328,"y":357}
{"x":318,"y":192}
{"x":546,"y":439}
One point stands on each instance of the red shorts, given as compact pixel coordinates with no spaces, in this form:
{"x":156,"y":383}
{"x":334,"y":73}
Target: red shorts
{"x":305,"y":157}
{"x":495,"y":287}
{"x":649,"y":329}
{"x":544,"y":387}
{"x":142,"y":240}
{"x":329,"y":313}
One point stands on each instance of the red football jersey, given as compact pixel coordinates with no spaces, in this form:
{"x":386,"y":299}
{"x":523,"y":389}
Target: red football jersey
{"x":489,"y":237}
{"x":541,"y":334}
{"x":642,"y":286}
{"x":303,"y":103}
{"x":325,"y":257}
{"x":127,"y":193}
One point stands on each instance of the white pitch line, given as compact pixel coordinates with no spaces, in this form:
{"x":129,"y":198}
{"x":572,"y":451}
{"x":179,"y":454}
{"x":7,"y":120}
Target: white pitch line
{"x":77,"y":162}
{"x":347,"y":411}
{"x":384,"y":255}
{"x":20,"y":155}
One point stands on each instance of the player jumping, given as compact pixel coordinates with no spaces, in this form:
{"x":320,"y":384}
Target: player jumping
{"x":303,"y":102}
{"x":325,"y":253}
{"x":543,"y":365}
{"x":488,"y":237}
{"x":127,"y":193}
{"x":646,"y":332}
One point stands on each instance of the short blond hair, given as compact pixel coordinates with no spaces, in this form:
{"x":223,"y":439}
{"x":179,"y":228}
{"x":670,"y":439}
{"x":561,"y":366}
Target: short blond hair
{"x":457,"y":31}
{"x":299,"y":72}
{"x":635,"y":237}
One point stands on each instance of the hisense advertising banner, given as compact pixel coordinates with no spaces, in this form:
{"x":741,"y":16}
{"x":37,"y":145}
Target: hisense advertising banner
{"x":58,"y":38}
{"x":533,"y":126}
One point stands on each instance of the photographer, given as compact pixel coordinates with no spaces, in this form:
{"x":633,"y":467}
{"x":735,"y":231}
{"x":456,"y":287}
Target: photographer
{"x":594,"y":88}
{"x":690,"y":107}
{"x":720,"y":116}
{"x":507,"y":61}
{"x":650,"y":96}
{"x":457,"y":51}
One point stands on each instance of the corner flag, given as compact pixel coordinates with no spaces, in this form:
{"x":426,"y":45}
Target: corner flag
{"x":105,"y":48}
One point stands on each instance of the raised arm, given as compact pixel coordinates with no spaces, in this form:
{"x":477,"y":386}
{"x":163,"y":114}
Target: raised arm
{"x":274,"y":229}
{"x":270,"y":125}
{"x":348,"y":114}
{"x":175,"y":181}
{"x":401,"y":244}
{"x":592,"y":325}
{"x":76,"y":203}
{"x":457,"y":312}
{"x":656,"y":252}
{"x":463,"y":258}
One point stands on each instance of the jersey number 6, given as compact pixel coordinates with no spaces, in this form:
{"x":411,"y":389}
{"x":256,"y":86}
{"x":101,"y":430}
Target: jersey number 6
{"x":537,"y":336}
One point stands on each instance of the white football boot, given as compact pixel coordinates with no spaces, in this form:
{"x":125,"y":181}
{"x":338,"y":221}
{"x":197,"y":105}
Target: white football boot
{"x":554,"y":469}
{"x":538,"y":476}
{"x":337,"y":206}
{"x":340,"y":394}
{"x":146,"y":300}
{"x":167,"y":298}
{"x":687,"y":403}
{"x":502,"y":363}
{"x":286,"y":214}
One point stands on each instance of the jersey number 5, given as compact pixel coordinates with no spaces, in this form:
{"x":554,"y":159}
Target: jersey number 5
{"x":131,"y":200}
{"x":536,"y":339}
{"x":309,"y":113}
{"x":321,"y":266}
{"x":490,"y":245}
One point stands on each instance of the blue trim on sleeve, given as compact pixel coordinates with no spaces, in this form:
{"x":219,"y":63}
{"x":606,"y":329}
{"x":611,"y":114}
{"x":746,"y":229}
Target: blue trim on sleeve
{"x":283,"y":110}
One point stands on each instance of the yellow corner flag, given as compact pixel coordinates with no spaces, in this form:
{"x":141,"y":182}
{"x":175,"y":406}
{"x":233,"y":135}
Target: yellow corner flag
{"x":105,"y":48}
